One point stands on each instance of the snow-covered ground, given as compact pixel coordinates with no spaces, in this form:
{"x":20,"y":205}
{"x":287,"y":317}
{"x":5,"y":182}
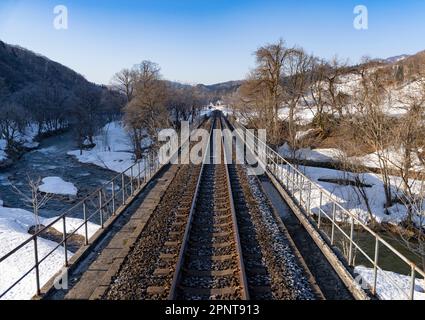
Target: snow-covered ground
{"x":318,"y":155}
{"x":14,"y":226}
{"x":349,"y":197}
{"x":390,"y":285}
{"x":26,"y":139}
{"x":112,"y":150}
{"x":56,"y":185}
{"x":393,"y":157}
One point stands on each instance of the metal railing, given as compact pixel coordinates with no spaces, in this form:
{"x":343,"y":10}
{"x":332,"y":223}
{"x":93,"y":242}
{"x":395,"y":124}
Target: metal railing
{"x":344,"y":230}
{"x":96,"y":208}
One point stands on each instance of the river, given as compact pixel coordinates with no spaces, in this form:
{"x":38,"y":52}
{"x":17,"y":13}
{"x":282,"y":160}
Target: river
{"x":51,"y":159}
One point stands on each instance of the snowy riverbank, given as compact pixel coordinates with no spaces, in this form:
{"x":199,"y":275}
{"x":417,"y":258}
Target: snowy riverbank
{"x":14,"y":226}
{"x":112,"y":150}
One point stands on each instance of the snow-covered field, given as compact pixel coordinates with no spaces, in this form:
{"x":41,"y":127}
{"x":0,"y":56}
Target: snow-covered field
{"x":56,"y":185}
{"x":317,"y":155}
{"x":14,"y":226}
{"x":390,"y":285}
{"x":112,"y":150}
{"x":347,"y":196}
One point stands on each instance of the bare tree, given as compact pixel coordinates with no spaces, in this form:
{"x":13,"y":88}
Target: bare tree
{"x":374,"y":128}
{"x":36,"y":201}
{"x":123,"y":81}
{"x":87,"y":113}
{"x":146,"y":110}
{"x":297,"y":66}
{"x":263,"y":89}
{"x":334,"y":79}
{"x":12,"y":122}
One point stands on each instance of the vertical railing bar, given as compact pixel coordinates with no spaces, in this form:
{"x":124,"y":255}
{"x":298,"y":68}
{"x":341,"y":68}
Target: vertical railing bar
{"x":146,"y":170}
{"x":86,"y":232}
{"x":123,"y":188}
{"x":101,"y":209}
{"x":113,"y":197}
{"x":309,"y":199}
{"x":350,"y":254}
{"x":412,"y":284}
{"x":320,"y":209}
{"x":65,"y":242}
{"x":333,"y":223}
{"x":288,"y":173}
{"x":301,"y":185}
{"x":375,"y":266}
{"x":37,"y":267}
{"x":139,"y":183}
{"x":131,"y":181}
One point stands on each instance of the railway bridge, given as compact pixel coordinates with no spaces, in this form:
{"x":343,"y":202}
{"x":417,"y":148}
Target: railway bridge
{"x":210,"y":230}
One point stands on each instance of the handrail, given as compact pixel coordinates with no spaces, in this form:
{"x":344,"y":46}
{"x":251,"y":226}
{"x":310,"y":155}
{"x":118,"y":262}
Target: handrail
{"x":127,"y":189}
{"x":277,"y":161}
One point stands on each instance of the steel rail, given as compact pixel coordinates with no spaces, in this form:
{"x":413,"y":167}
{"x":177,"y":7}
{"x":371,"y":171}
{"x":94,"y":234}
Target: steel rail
{"x":181,"y":257}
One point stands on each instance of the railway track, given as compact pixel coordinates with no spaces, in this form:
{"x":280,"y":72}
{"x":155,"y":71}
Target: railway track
{"x":210,"y":238}
{"x":210,"y":264}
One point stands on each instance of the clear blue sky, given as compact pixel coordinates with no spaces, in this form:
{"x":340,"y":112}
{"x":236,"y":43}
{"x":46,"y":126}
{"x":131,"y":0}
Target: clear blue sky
{"x":206,"y":41}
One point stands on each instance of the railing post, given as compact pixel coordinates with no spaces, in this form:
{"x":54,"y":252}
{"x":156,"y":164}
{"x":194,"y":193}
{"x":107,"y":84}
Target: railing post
{"x":412,"y":284}
{"x":319,"y":219}
{"x":37,"y":269}
{"x":113,"y":197}
{"x":293,"y":181}
{"x":333,"y":223}
{"x":375,"y":266}
{"x":101,"y":209}
{"x":350,"y":253}
{"x":86,"y":232}
{"x":139,"y":183}
{"x":131,"y":181}
{"x":301,"y":185}
{"x":280,"y":170}
{"x":146,"y":170}
{"x":288,"y":173}
{"x":309,"y":199}
{"x":65,"y":244}
{"x":150,"y":165}
{"x":123,"y":188}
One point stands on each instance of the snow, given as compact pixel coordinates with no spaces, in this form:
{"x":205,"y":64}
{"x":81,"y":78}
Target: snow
{"x":348,"y":198}
{"x":302,"y":134}
{"x":14,"y":225}
{"x":26,"y":139}
{"x":112,"y":150}
{"x":394,"y":158}
{"x":390,"y":285}
{"x":56,"y":185}
{"x":317,"y":155}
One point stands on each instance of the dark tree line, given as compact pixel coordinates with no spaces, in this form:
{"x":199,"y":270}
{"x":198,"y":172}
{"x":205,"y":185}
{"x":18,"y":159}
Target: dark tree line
{"x":35,"y":91}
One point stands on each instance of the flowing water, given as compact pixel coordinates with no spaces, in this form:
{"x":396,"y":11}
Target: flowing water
{"x":51,"y":159}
